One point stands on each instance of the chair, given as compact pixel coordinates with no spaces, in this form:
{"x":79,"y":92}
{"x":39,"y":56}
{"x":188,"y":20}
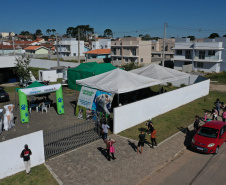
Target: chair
{"x":44,"y":107}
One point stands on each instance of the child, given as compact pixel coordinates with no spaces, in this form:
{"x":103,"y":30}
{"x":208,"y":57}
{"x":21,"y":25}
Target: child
{"x":153,"y":137}
{"x":205,"y":116}
{"x":215,"y":114}
{"x":224,"y":115}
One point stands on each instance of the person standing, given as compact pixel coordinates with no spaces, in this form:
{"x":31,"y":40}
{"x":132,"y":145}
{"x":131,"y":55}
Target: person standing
{"x":224,"y":115}
{"x":196,"y":123}
{"x":105,"y":128}
{"x":141,"y":142}
{"x":110,"y":148}
{"x":218,"y":105}
{"x":25,"y":154}
{"x":153,"y":138}
{"x":149,"y":127}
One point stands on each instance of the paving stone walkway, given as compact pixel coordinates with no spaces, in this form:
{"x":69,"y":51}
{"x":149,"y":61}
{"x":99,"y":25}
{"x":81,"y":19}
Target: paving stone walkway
{"x":88,"y":164}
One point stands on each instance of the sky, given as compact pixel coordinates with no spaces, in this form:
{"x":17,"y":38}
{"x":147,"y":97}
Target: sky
{"x":198,"y":18}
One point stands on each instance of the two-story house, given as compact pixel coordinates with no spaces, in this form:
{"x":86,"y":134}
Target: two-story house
{"x":130,"y":50}
{"x":204,"y":56}
{"x":101,"y":44}
{"x":69,"y":47}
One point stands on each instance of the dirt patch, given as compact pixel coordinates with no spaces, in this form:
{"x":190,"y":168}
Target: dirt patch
{"x":217,"y":87}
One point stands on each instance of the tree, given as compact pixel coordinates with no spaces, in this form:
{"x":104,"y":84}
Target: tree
{"x":213,"y":35}
{"x":141,"y":35}
{"x":71,"y":31}
{"x":38,"y":32}
{"x":22,"y":68}
{"x":48,"y":31}
{"x":108,"y":33}
{"x":34,"y":36}
{"x":85,"y":32}
{"x":191,"y":37}
{"x":24,"y":33}
{"x":146,"y":37}
{"x":53,"y":30}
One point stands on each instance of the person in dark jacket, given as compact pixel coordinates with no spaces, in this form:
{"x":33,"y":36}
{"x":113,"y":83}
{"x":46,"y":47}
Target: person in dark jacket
{"x":25,"y":154}
{"x":196,"y":123}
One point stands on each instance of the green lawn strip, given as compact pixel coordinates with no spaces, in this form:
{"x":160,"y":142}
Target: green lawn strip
{"x":219,"y":77}
{"x":11,"y":89}
{"x":171,"y":122}
{"x":39,"y":175}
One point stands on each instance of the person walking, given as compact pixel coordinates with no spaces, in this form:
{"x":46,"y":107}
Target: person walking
{"x":218,"y":105}
{"x":110,"y":148}
{"x":153,"y":138}
{"x":105,"y":128}
{"x":25,"y":154}
{"x":224,"y":115}
{"x":141,"y":142}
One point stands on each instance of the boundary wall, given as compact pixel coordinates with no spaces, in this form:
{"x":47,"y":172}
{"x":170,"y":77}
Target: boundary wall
{"x":132,"y":114}
{"x":11,"y":162}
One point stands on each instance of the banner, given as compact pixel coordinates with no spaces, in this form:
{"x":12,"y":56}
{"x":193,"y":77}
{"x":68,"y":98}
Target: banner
{"x":93,"y":101}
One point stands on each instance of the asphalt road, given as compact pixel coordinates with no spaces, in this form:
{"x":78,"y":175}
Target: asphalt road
{"x":191,"y":168}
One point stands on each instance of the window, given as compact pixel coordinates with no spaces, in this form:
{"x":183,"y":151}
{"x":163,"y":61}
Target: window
{"x":93,"y":46}
{"x":126,"y":59}
{"x":187,"y":54}
{"x":172,"y":48}
{"x":153,"y":47}
{"x":134,"y":52}
{"x":179,"y":52}
{"x":106,"y":46}
{"x":202,"y":54}
{"x":199,"y":64}
{"x":141,"y":60}
{"x":74,"y":54}
{"x":101,"y":47}
{"x":211,"y":53}
{"x":114,"y":51}
{"x":187,"y":63}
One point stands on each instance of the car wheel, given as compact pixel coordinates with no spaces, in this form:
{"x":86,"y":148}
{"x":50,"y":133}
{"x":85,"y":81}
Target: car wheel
{"x":217,"y":149}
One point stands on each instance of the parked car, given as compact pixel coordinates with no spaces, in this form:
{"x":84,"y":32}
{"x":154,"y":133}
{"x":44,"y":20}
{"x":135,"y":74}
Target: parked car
{"x":210,"y":137}
{"x":4,"y":96}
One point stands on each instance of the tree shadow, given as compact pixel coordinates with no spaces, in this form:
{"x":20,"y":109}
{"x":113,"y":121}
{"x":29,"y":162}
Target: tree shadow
{"x":103,"y":151}
{"x":133,"y":145}
{"x":182,"y":129}
{"x":142,"y":129}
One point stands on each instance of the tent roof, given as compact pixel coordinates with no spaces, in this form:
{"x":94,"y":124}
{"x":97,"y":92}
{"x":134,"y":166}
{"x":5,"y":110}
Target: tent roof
{"x":82,"y":66}
{"x":34,"y":84}
{"x":100,"y":68}
{"x":158,"y":72}
{"x":118,"y":81}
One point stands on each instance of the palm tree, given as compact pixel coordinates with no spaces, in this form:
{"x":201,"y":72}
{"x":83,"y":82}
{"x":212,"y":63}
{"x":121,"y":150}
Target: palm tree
{"x":108,"y":33}
{"x":53,"y":30}
{"x":48,"y":31}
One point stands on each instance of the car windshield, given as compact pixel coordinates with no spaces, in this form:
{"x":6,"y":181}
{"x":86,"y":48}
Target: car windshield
{"x":208,"y":132}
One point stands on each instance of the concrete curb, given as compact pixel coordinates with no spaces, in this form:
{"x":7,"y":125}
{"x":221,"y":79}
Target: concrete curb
{"x":53,"y":174}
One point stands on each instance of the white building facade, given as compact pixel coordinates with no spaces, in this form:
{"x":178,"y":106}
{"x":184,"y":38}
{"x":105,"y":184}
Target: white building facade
{"x":69,"y":47}
{"x":101,"y":44}
{"x":204,"y":56}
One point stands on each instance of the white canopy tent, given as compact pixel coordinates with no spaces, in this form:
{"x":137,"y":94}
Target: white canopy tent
{"x":163,"y":74}
{"x":118,"y":81}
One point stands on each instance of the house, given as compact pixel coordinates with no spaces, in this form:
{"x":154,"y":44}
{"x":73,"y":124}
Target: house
{"x":36,"y":50}
{"x":204,"y":56}
{"x":97,"y":53}
{"x":6,"y":34}
{"x":9,"y":49}
{"x":157,"y":49}
{"x":130,"y":49}
{"x":69,"y":47}
{"x":101,"y":44}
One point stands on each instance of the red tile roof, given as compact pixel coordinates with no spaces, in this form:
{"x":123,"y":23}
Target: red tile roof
{"x":34,"y":47}
{"x":98,"y":51}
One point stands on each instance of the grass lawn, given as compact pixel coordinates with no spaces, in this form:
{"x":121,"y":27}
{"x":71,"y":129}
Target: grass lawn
{"x":35,"y":70}
{"x":39,"y":175}
{"x":220,"y":77}
{"x":171,"y":122}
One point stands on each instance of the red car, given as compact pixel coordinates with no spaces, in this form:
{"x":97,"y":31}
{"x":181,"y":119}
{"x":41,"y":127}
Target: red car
{"x":210,"y":137}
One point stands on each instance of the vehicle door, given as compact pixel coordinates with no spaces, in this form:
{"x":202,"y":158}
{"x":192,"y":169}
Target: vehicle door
{"x":222,"y":135}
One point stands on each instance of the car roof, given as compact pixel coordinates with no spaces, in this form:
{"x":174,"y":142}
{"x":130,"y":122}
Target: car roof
{"x":214,"y":124}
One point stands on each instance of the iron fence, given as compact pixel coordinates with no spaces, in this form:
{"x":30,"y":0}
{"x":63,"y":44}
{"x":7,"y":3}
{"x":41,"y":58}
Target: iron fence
{"x":61,"y":140}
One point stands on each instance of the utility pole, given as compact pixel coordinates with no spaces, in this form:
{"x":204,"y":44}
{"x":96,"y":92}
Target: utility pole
{"x":79,"y":45}
{"x":2,"y":47}
{"x":58,"y":62}
{"x":164,"y":45}
{"x":13,"y":46}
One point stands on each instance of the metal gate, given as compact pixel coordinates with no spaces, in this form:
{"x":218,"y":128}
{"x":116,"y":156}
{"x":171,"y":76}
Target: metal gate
{"x":70,"y":137}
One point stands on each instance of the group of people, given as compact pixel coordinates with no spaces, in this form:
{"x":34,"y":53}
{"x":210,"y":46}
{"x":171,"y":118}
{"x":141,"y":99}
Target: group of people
{"x":214,"y":114}
{"x":150,"y":131}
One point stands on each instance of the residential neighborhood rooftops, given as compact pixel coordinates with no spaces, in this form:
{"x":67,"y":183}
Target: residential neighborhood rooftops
{"x":99,"y":51}
{"x":34,"y":47}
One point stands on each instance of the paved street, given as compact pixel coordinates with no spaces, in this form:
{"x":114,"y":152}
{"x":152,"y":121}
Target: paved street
{"x":191,"y":168}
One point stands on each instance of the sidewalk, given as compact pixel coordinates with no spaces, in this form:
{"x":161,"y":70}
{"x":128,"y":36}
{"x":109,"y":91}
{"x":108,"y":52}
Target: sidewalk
{"x":88,"y":165}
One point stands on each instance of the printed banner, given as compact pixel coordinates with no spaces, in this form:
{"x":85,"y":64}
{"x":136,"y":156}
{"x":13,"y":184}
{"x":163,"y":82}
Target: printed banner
{"x":86,"y":97}
{"x":94,"y":101}
{"x":80,"y":112}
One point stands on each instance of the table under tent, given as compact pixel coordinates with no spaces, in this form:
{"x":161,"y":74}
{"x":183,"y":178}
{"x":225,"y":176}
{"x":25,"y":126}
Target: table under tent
{"x":38,"y":89}
{"x":86,"y":70}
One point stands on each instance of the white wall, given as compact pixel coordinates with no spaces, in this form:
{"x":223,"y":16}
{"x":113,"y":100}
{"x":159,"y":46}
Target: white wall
{"x":132,"y":114}
{"x":7,"y":61}
{"x":11,"y":162}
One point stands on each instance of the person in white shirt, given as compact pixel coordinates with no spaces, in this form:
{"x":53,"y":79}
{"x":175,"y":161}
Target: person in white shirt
{"x":105,"y":128}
